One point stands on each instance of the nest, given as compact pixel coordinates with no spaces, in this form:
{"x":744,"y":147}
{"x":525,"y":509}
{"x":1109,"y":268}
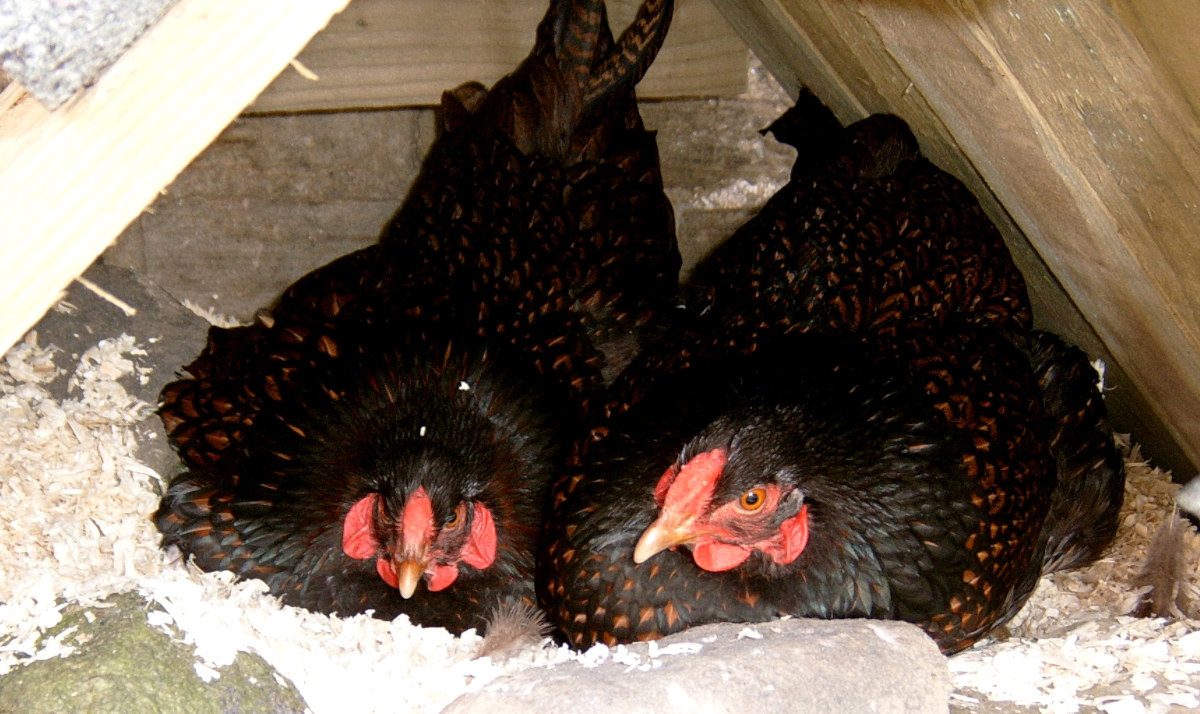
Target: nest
{"x":75,"y":528}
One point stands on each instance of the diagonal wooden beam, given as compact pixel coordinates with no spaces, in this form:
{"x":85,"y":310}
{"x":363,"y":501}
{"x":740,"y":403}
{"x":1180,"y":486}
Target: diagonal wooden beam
{"x":72,"y":179}
{"x":1078,"y":143}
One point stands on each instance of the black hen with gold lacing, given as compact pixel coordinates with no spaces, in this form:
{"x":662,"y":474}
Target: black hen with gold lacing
{"x":380,"y":439}
{"x":852,"y":418}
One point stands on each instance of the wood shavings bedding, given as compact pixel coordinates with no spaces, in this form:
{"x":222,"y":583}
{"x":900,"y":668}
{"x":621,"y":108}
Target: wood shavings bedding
{"x":75,"y":527}
{"x":1073,"y":646}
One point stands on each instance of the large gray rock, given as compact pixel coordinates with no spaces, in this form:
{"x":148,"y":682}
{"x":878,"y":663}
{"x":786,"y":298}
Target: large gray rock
{"x":124,"y":665}
{"x":811,"y":666}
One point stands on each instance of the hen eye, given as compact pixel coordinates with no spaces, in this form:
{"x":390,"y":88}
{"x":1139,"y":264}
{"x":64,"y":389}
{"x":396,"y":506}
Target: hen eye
{"x":753,"y":499}
{"x":454,"y":519}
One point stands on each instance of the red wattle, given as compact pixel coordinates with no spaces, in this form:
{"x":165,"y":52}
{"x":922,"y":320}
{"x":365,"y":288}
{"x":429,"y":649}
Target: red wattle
{"x":440,"y":577}
{"x":480,"y":549}
{"x":383,"y":566}
{"x":716,"y":557}
{"x":357,"y":540}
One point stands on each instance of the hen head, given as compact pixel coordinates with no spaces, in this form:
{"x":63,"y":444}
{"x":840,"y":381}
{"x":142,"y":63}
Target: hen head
{"x":725,"y":505}
{"x":443,"y":473}
{"x":420,"y":539}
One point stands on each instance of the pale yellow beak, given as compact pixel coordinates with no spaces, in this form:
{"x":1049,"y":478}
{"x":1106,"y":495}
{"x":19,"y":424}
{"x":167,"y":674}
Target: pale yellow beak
{"x":408,"y":574}
{"x":668,"y":531}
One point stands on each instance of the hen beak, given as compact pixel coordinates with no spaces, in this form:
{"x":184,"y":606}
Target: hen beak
{"x":408,"y":574}
{"x":670,"y":530}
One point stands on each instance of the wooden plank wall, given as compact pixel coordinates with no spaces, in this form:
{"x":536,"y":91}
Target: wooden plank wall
{"x":1084,"y":147}
{"x":389,"y":53}
{"x":277,"y":195}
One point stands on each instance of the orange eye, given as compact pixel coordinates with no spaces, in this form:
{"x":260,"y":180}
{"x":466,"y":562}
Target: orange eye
{"x":454,"y":519}
{"x":753,"y":499}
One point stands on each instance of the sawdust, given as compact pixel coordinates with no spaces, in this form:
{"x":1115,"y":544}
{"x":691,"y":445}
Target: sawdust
{"x":1074,"y":646}
{"x":74,"y":526}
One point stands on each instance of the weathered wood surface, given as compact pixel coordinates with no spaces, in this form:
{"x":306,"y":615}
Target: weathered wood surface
{"x":1091,"y":152}
{"x":277,"y":195}
{"x":390,"y":53}
{"x":71,"y":180}
{"x":1167,"y":31}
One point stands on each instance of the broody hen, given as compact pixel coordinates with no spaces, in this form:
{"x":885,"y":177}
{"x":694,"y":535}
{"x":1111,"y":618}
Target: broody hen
{"x":538,"y":220}
{"x":867,"y":237}
{"x":853,"y":420}
{"x":831,"y":476}
{"x":381,"y":439}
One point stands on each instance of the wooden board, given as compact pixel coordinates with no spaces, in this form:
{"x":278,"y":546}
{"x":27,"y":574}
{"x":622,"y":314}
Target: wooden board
{"x":1167,"y":30}
{"x":1092,"y":154}
{"x":71,"y":180}
{"x":277,"y":195}
{"x":389,"y":53}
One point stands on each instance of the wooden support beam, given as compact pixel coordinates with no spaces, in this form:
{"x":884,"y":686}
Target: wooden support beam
{"x":1166,"y":28}
{"x":72,"y":179}
{"x":1076,"y":142}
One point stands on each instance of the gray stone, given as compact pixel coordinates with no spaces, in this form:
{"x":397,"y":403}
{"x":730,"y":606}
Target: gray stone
{"x":124,"y":665}
{"x":812,"y":666}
